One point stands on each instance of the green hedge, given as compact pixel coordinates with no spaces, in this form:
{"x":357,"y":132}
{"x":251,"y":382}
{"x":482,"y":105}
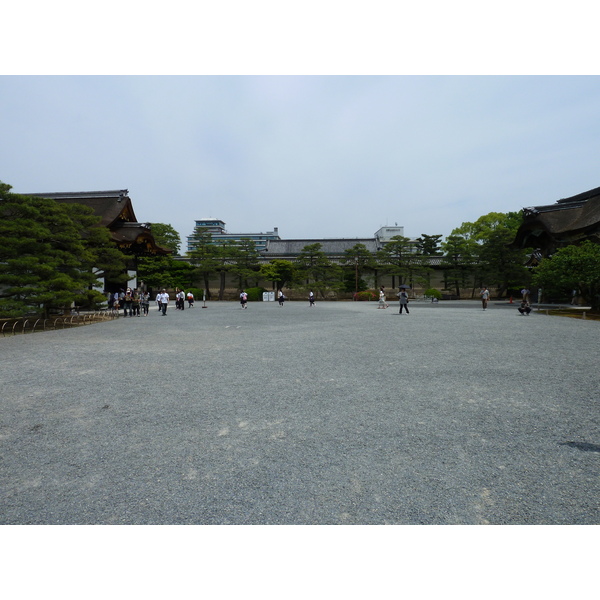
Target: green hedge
{"x":433,"y":293}
{"x":198,"y":293}
{"x":255,"y":293}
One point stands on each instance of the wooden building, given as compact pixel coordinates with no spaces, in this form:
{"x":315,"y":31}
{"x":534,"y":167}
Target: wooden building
{"x":115,"y":209}
{"x":569,"y":221}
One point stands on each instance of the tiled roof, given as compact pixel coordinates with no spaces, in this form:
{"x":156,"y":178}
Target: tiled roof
{"x":569,"y":214}
{"x":564,"y":222}
{"x":115,"y":209}
{"x":110,"y":205}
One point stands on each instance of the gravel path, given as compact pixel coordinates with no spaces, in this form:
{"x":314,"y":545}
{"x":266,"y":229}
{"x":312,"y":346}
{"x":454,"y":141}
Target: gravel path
{"x":338,"y":414}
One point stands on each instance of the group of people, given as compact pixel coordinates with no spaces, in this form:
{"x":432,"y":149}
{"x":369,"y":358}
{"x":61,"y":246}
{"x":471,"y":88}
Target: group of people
{"x":136,"y":302}
{"x":180,"y":298}
{"x":524,"y":308}
{"x":162,"y":300}
{"x":133,"y":302}
{"x":402,"y":297}
{"x":281,"y":298}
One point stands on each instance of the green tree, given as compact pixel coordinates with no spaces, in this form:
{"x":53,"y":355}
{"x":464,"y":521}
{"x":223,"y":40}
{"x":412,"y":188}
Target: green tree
{"x":429,"y":245}
{"x":502,"y":265}
{"x":280,"y":272}
{"x":165,"y":271}
{"x":244,"y":261}
{"x":357,"y":260}
{"x":52,"y":255}
{"x":166,"y":236}
{"x":499,"y":264}
{"x":225,"y":256}
{"x":205,"y":258}
{"x":459,"y":261}
{"x":481,"y":229}
{"x":398,"y":258}
{"x":572,"y":268}
{"x":316,"y":271}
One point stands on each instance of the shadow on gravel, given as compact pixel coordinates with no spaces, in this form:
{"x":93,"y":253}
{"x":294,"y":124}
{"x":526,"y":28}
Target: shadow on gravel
{"x":583,"y":446}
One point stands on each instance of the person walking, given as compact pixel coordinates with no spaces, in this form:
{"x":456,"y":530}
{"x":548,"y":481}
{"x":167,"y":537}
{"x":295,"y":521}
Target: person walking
{"x":135,"y":303}
{"x":382,"y":302}
{"x":164,"y":301}
{"x":177,"y":298}
{"x":311,"y":298}
{"x":159,"y":301}
{"x":403,"y":297}
{"x":145,"y":302}
{"x":243,"y":299}
{"x":281,"y":298}
{"x":128,"y":303}
{"x":485,"y":296}
{"x":190,"y":299}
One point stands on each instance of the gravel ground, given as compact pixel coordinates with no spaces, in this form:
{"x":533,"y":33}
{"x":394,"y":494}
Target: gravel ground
{"x":338,"y":414}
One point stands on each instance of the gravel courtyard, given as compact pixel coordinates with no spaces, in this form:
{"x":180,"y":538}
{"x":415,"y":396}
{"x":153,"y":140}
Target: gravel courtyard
{"x":338,"y":414}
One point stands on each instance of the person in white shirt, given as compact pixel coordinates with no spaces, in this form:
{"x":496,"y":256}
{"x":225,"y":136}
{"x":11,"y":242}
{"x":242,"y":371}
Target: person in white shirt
{"x":164,"y":301}
{"x":485,"y":296}
{"x":382,"y":301}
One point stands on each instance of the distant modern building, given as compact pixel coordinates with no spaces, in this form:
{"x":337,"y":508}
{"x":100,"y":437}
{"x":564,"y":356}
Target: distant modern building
{"x":385,"y":234}
{"x":219,"y":235}
{"x":270,"y":245}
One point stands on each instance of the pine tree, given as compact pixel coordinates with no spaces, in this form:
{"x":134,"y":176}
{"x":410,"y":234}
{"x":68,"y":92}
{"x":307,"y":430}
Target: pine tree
{"x":51,"y":255}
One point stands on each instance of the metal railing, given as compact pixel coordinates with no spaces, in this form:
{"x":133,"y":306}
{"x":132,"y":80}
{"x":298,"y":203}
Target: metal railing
{"x":24,"y":325}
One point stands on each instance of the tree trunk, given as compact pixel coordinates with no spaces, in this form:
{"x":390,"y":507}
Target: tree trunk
{"x":222,"y":277}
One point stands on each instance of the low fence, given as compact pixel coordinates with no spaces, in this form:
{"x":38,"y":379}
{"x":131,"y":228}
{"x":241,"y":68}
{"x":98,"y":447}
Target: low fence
{"x":24,"y":325}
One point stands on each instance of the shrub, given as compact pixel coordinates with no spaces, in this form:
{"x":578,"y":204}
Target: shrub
{"x":365,"y":296}
{"x":433,"y":293}
{"x":198,"y":293}
{"x":350,"y":283}
{"x":255,"y":293}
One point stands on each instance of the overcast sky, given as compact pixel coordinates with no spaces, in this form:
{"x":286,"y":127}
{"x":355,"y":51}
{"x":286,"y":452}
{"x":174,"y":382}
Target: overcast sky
{"x":317,"y":151}
{"x":315,"y":156}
